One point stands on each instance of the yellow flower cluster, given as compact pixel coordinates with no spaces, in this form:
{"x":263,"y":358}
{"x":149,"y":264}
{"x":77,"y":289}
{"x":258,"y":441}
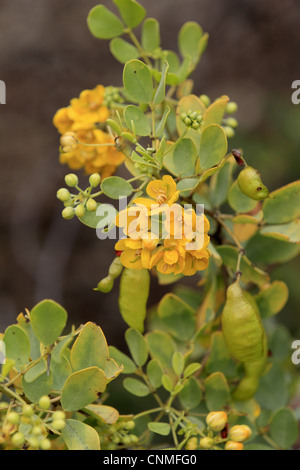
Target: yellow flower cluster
{"x":82,"y":118}
{"x":178,"y":251}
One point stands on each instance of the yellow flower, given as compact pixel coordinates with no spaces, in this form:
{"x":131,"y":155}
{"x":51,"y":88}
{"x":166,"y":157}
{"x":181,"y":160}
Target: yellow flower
{"x":134,"y":220}
{"x":195,"y":261}
{"x":161,"y":192}
{"x":136,"y":254}
{"x":62,"y":120}
{"x":170,"y":258}
{"x":88,"y":108}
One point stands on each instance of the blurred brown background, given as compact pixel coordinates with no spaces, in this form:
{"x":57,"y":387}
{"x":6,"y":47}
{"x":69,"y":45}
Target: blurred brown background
{"x":47,"y":56}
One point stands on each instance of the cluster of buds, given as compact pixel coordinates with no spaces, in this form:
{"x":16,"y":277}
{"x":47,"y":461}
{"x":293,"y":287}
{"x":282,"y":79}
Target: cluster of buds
{"x":112,"y":96}
{"x":192,"y":119}
{"x":230,"y":123}
{"x":68,"y":142}
{"x":77,"y":204}
{"x":115,"y":270}
{"x":28,"y":425}
{"x":119,"y":433}
{"x":217,"y":422}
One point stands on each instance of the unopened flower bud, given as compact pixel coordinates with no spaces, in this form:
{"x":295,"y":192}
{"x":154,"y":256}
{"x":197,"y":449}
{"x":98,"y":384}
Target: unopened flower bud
{"x":68,"y":213}
{"x":18,"y":439}
{"x":216,"y":420}
{"x":231,"y":107}
{"x":44,"y":402}
{"x":71,"y":180}
{"x":206,"y":443}
{"x":187,"y":121}
{"x":229,"y":132}
{"x":192,"y":443}
{"x":13,"y":418}
{"x":79,"y":210}
{"x":63,"y":194}
{"x":205,"y":100}
{"x":231,"y":445}
{"x":94,"y":180}
{"x":45,"y":444}
{"x":231,"y":122}
{"x":68,"y":141}
{"x":240,"y":433}
{"x":91,"y":205}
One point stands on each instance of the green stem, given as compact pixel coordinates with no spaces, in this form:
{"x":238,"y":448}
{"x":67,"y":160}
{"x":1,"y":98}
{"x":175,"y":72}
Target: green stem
{"x":137,"y":44}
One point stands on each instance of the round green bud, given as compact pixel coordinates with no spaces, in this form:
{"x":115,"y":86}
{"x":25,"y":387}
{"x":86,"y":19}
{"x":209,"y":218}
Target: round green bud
{"x":58,"y":424}
{"x":69,"y":203}
{"x":116,"y":439}
{"x":36,"y":431}
{"x":13,"y":417}
{"x":129,"y":425}
{"x":68,"y":213}
{"x":44,"y":402}
{"x":34,"y":442}
{"x":206,"y":443}
{"x":205,"y":100}
{"x":105,"y":285}
{"x":231,"y":122}
{"x":58,"y":415}
{"x":126,"y":440}
{"x":192,"y":444}
{"x":71,"y":180}
{"x":115,"y":268}
{"x":193,"y":115}
{"x":133,"y":438}
{"x":63,"y":194}
{"x":199,"y":118}
{"x":91,"y":205}
{"x":231,"y":107}
{"x":45,"y":444}
{"x":195,"y":125}
{"x":183,"y":116}
{"x":94,"y":180}
{"x":18,"y":439}
{"x":79,"y":210}
{"x":229,"y":132}
{"x":187,"y":121}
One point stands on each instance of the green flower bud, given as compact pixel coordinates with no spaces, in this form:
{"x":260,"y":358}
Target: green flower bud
{"x":231,"y":107}
{"x":250,"y":184}
{"x":68,"y":213}
{"x":129,"y":425}
{"x":195,"y":125}
{"x":94,"y":180}
{"x":126,"y":440}
{"x":133,"y":438}
{"x":116,"y":269}
{"x":183,"y":116}
{"x":91,"y":205}
{"x":229,"y":132}
{"x":193,"y":115}
{"x":187,"y":121}
{"x":199,"y":118}
{"x":205,"y":100}
{"x":206,"y":443}
{"x":18,"y":439}
{"x":36,"y":431}
{"x":45,"y":444}
{"x":216,"y":420}
{"x":231,"y":122}
{"x":192,"y":443}
{"x":58,"y":424}
{"x":27,"y":411}
{"x":79,"y":210}
{"x":240,"y":433}
{"x":58,"y":415}
{"x":63,"y":194}
{"x":105,"y":285}
{"x":44,"y":402}
{"x":71,"y":180}
{"x":34,"y":442}
{"x":13,"y":417}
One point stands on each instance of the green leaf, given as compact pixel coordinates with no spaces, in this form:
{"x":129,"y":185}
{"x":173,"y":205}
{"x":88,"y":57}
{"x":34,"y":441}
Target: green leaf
{"x":284,"y":428}
{"x":187,"y":185}
{"x":289,"y":232}
{"x":215,"y":112}
{"x":161,"y":347}
{"x":161,"y":89}
{"x":191,"y":394}
{"x":104,"y":215}
{"x":122,"y":50}
{"x":220,"y":183}
{"x":103,"y":413}
{"x":272,"y":392}
{"x":265,"y":250}
{"x":48,"y":320}
{"x":167,"y":383}
{"x":103,"y":24}
{"x":35,"y":371}
{"x":239,"y":201}
{"x":59,"y":350}
{"x":122,"y":359}
{"x":137,"y":81}
{"x":178,"y":316}
{"x":131,"y":12}
{"x":136,"y":387}
{"x":37,"y":388}
{"x":173,"y":60}
{"x":60,"y":372}
{"x":82,"y":388}
{"x":186,"y":104}
{"x":162,"y":123}
{"x":229,"y":255}
{"x":90,"y":348}
{"x":135,"y":285}
{"x":272,"y":299}
{"x":189,"y":38}
{"x":184,"y":157}
{"x":140,"y":123}
{"x":219,"y":358}
{"x":116,"y":187}
{"x":280,"y":343}
{"x":160,"y":428}
{"x":178,"y":362}
{"x":213,"y":146}
{"x":80,"y":436}
{"x":283,"y":205}
{"x":112,"y":369}
{"x":150,"y":35}
{"x":191,"y":369}
{"x":137,"y":345}
{"x":216,"y":391}
{"x":154,"y":373}
{"x":35,"y":347}
{"x":17,"y":345}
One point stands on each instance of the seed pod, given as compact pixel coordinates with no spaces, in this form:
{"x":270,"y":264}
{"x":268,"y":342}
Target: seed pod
{"x":105,"y":285}
{"x":250,"y":184}
{"x":242,"y":327}
{"x":115,"y":268}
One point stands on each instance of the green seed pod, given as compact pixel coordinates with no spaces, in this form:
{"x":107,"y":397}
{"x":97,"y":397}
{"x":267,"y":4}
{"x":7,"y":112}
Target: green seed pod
{"x":79,"y":210}
{"x":94,"y":180}
{"x":242,"y":327}
{"x":68,"y":213}
{"x":115,"y":268}
{"x":71,"y":180}
{"x":105,"y":285}
{"x":63,"y":194}
{"x":91,"y":205}
{"x":250,"y":184}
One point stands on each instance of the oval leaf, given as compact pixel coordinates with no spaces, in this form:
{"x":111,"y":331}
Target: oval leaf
{"x":122,"y":50}
{"x":136,"y":387}
{"x":90,"y":348}
{"x":141,"y":124}
{"x":82,"y":388}
{"x":137,"y":81}
{"x":137,"y":345}
{"x":213,"y":146}
{"x":131,"y":11}
{"x":17,"y":345}
{"x":48,"y":320}
{"x":103,"y":24}
{"x":150,"y":35}
{"x":135,"y":285}
{"x":283,"y":205}
{"x":284,"y":428}
{"x":80,"y":436}
{"x":116,"y":187}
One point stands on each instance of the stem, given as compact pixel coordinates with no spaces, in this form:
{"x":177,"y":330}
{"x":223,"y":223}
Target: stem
{"x":12,"y":394}
{"x":109,"y":144}
{"x":137,"y":44}
{"x":147,"y":412}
